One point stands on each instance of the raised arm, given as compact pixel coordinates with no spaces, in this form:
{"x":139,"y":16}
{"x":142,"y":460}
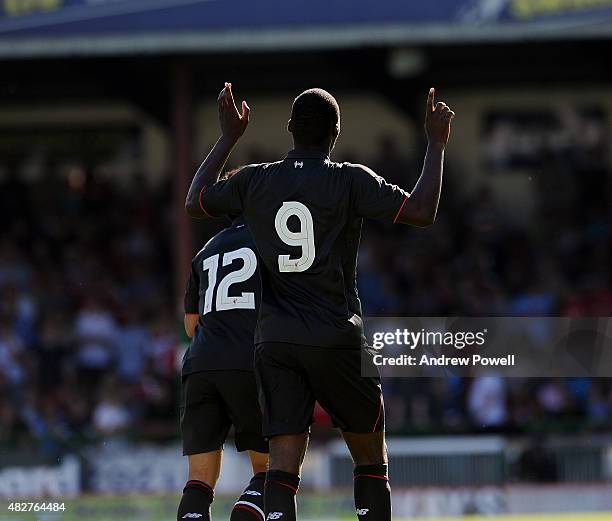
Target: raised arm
{"x":422,"y":205}
{"x":233,"y":125}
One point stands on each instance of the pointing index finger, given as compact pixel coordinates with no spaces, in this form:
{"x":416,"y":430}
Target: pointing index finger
{"x":430,"y":99}
{"x":230,"y":95}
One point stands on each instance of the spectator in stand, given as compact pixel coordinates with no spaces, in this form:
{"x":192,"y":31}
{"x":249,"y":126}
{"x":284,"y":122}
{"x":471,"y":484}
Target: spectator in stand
{"x":12,"y":355}
{"x":111,"y":416}
{"x":96,"y":334}
{"x":133,"y":342}
{"x":487,"y":403}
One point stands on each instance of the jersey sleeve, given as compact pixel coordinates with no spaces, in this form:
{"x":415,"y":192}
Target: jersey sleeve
{"x":226,"y":196}
{"x":192,"y":294}
{"x":373,"y":198}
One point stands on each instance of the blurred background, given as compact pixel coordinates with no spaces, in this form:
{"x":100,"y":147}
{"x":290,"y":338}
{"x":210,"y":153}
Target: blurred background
{"x":106,"y":109}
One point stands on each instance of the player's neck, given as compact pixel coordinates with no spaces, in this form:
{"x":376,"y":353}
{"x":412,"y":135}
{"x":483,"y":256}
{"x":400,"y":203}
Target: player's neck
{"x":312,"y":149}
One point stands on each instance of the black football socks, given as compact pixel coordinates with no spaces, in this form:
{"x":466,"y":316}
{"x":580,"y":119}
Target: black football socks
{"x":372,"y":497}
{"x":372,"y":493}
{"x":279,"y":498}
{"x":196,"y":500}
{"x":250,"y":505}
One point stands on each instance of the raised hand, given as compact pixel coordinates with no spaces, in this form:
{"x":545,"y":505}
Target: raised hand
{"x":233,"y":123}
{"x":438,"y":117}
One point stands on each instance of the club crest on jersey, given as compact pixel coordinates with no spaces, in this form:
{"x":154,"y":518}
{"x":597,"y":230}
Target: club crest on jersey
{"x":299,"y":164}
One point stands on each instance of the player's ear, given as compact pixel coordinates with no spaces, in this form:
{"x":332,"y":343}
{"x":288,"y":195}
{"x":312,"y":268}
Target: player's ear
{"x":334,"y":137}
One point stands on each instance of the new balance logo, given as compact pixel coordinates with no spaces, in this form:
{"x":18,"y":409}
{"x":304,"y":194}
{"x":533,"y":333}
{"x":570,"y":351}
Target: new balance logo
{"x":192,"y":515}
{"x":275,"y":515}
{"x":362,"y":511}
{"x":299,"y":164}
{"x":252,"y":493}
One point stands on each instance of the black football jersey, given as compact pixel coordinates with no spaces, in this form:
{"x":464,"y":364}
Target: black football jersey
{"x":305,"y":214}
{"x":224,"y":290}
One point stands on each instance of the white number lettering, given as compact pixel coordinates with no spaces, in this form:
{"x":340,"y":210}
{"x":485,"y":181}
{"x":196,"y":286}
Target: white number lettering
{"x":304,"y":238}
{"x":211,"y":264}
{"x":223,"y":301}
{"x":246,"y":300}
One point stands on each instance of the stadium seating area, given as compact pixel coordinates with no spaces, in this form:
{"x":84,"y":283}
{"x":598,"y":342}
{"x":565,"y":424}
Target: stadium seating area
{"x":89,"y":337}
{"x":88,"y":333}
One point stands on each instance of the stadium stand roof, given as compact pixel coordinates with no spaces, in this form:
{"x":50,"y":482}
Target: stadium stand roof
{"x":38,"y":28}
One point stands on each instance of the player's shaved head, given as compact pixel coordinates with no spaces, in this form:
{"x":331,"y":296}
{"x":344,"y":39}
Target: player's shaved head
{"x":315,"y":118}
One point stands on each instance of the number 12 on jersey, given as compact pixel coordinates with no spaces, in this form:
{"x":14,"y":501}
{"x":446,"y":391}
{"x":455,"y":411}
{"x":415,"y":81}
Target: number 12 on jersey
{"x":303,"y":238}
{"x":223,"y":301}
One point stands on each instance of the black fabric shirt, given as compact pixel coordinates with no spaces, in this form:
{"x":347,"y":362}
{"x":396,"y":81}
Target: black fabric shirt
{"x":305,"y":214}
{"x":224,"y":290}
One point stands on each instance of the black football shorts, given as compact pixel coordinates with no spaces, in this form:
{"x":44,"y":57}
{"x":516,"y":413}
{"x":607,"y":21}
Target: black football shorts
{"x":213,"y":401}
{"x":292,"y":377}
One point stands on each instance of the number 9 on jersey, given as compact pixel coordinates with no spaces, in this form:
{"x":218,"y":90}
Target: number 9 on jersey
{"x":303,"y":238}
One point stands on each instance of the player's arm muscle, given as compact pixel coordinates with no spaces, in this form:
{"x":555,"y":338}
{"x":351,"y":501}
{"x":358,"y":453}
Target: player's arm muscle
{"x":207,"y":175}
{"x":233,"y":125}
{"x":422,"y":206}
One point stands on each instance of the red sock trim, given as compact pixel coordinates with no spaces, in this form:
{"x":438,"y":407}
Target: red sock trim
{"x":248,"y":509}
{"x":371,"y":476}
{"x":400,"y":209}
{"x":293,"y":489}
{"x":196,"y":483}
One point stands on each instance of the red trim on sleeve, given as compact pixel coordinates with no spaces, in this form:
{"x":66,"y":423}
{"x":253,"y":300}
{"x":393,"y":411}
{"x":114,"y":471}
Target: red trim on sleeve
{"x":400,"y":209}
{"x":202,"y":206}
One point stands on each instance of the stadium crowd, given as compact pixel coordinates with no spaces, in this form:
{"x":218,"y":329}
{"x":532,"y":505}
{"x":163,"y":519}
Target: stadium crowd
{"x":88,"y":332}
{"x":89,"y":336}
